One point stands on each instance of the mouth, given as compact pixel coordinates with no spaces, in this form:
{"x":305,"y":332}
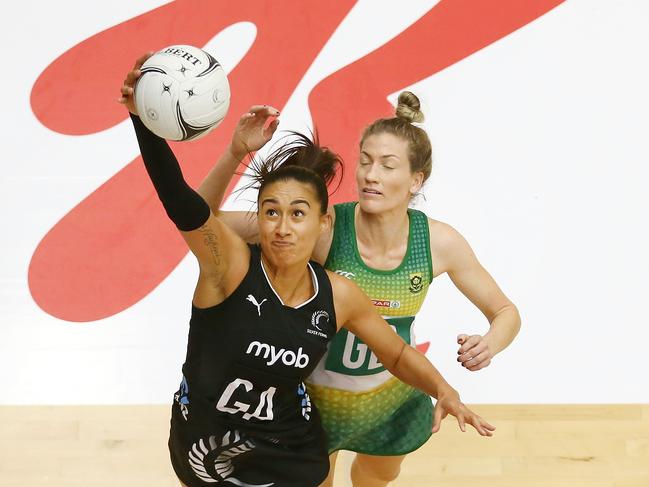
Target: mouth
{"x":282,"y":244}
{"x":371,"y":192}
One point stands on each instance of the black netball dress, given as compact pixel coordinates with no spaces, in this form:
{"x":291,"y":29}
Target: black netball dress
{"x":242,"y":415}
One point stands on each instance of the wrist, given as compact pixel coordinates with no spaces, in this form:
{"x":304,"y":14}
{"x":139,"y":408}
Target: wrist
{"x":238,"y":154}
{"x":491,"y":342}
{"x":447,"y":392}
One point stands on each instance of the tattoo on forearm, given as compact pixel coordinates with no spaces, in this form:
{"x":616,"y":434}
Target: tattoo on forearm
{"x":211,"y":241}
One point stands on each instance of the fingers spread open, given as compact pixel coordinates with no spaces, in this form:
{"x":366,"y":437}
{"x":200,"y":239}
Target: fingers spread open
{"x":437,"y":418}
{"x":481,"y":426}
{"x":461,"y":423}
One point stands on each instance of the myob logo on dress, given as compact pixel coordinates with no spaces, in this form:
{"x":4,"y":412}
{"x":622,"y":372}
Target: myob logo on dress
{"x":273,"y":355}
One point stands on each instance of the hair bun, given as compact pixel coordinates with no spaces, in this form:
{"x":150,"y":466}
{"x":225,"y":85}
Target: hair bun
{"x":408,"y":107}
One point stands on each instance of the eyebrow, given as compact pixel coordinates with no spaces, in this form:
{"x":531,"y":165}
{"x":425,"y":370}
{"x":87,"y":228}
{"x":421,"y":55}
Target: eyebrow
{"x":294,"y":202}
{"x":297,"y":202}
{"x":384,"y":156}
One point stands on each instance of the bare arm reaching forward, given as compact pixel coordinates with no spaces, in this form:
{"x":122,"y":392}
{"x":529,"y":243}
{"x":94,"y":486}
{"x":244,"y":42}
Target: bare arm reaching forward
{"x":355,"y":312}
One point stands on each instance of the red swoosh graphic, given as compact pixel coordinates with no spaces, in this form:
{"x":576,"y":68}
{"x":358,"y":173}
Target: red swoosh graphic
{"x":116,"y":245}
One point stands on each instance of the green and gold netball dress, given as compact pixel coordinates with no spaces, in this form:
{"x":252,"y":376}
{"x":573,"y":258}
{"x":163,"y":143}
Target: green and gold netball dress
{"x":364,"y":408}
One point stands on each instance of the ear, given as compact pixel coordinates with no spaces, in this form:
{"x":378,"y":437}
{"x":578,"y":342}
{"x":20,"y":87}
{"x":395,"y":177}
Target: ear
{"x":416,"y":182}
{"x":325,"y":223}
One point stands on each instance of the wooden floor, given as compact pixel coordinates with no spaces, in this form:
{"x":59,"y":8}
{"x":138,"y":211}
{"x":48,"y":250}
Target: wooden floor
{"x":535,"y":446}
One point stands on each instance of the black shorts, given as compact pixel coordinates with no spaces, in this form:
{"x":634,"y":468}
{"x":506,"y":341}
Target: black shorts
{"x":227,"y":456}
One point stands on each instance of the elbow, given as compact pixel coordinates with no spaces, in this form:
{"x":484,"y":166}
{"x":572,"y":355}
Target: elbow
{"x":392,"y":364}
{"x":516,"y":320}
{"x":504,"y":327}
{"x":511,"y":312}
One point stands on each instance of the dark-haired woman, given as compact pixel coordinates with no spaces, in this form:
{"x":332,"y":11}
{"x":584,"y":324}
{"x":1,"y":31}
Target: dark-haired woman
{"x":262,"y":316}
{"x":392,"y":253}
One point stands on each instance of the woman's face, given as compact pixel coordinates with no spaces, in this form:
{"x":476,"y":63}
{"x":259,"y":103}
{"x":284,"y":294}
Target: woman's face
{"x":383,"y":176}
{"x":289,"y":222}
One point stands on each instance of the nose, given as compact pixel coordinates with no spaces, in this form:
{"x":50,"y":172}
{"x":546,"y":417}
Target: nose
{"x":371,"y":173}
{"x":283,"y":228}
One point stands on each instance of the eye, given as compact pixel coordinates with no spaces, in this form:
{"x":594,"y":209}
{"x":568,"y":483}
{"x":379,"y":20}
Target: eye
{"x":298,"y":213}
{"x":271,"y":212}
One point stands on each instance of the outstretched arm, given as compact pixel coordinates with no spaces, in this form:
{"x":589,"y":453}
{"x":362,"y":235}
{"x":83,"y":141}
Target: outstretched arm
{"x":254,"y":129}
{"x":220,"y":253}
{"x":356,"y":313}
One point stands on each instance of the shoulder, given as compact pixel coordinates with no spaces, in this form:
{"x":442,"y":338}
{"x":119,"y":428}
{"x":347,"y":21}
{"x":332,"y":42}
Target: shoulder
{"x":350,"y":302}
{"x":443,"y":235}
{"x":339,"y":284}
{"x":345,"y":291}
{"x":447,"y":246}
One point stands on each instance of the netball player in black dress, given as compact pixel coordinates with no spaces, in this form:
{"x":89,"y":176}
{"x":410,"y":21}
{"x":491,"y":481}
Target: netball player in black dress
{"x":262,"y":316}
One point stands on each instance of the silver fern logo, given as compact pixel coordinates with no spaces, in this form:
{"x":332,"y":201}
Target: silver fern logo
{"x":202,"y":458}
{"x":315,"y":318}
{"x":318,"y":318}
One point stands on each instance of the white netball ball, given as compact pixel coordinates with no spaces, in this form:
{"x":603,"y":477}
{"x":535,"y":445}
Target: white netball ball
{"x":182,"y":94}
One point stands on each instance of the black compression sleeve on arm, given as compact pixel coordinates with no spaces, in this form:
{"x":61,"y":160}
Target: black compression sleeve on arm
{"x":184,"y":206}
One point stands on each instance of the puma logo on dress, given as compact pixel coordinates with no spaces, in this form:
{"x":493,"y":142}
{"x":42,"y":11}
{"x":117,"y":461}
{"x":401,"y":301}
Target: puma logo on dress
{"x":252,"y":299}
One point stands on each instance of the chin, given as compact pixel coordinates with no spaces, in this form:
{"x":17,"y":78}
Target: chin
{"x":285,"y":257}
{"x":371,"y":206}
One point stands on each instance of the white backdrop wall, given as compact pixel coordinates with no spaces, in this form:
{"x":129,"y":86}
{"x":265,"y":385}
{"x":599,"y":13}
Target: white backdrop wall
{"x":541,"y":162}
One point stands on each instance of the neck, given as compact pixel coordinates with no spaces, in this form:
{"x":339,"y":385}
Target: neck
{"x":292,"y":283}
{"x":382,"y":231}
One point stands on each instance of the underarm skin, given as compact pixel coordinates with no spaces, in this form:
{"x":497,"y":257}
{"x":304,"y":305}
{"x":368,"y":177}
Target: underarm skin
{"x":184,"y":206}
{"x":211,"y":240}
